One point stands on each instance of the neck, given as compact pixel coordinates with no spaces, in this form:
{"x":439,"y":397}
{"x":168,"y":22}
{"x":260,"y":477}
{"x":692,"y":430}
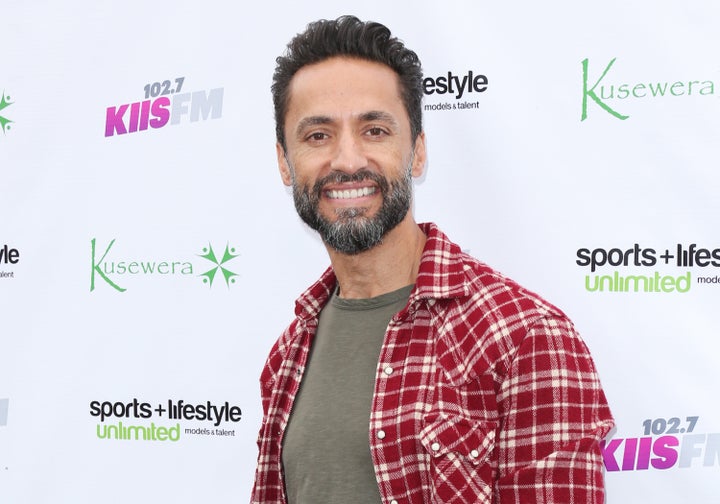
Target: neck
{"x":384,"y":268}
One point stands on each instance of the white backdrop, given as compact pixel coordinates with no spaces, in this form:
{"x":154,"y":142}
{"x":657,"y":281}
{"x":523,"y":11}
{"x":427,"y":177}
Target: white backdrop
{"x":586,"y":170}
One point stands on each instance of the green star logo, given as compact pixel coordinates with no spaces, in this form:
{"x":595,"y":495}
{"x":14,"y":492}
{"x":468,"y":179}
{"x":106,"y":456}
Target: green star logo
{"x":209,"y":275}
{"x":4,"y":103}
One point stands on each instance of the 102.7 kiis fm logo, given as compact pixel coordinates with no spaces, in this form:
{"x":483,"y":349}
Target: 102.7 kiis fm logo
{"x":666,"y":443}
{"x":108,"y":270}
{"x":164,"y":103}
{"x":678,"y":256}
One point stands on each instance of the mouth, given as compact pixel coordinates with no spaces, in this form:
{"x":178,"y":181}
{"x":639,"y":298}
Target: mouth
{"x":342,"y":194}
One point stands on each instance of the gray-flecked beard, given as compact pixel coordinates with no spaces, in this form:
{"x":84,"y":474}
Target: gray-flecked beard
{"x":353,"y":232}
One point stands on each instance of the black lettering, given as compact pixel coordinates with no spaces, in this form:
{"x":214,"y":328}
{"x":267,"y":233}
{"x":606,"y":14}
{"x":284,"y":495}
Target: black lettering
{"x":595,"y":262}
{"x":428,"y":85}
{"x":716,"y":257}
{"x":649,"y":258}
{"x":455,"y":84}
{"x":9,"y":255}
{"x":616,"y":257}
{"x":480,"y":83}
{"x":583,"y":257}
{"x":145,"y":410}
{"x":702,"y":257}
{"x":441,"y":84}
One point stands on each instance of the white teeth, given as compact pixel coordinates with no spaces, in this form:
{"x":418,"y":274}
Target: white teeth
{"x":351,"y":193}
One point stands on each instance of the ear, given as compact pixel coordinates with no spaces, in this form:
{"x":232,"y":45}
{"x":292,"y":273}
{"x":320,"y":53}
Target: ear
{"x":420,"y":155}
{"x":283,"y":165}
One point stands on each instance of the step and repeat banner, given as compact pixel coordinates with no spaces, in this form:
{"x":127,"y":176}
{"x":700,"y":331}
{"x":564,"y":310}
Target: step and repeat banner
{"x":150,"y":255}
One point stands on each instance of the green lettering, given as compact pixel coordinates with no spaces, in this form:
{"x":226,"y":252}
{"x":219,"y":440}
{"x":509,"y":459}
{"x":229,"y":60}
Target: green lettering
{"x":677,"y":85}
{"x":136,"y":430}
{"x":668,"y":284}
{"x":708,"y":88}
{"x":161,"y":433}
{"x":593,"y":96}
{"x":659,"y":89}
{"x":95,"y":268}
{"x":610,"y":95}
{"x":636,"y":280}
{"x":174,"y":433}
{"x":637,"y":89}
{"x":685,"y":281}
{"x":606,"y":279}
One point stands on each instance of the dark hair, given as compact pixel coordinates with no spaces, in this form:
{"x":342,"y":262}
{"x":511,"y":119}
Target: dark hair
{"x":348,"y":36}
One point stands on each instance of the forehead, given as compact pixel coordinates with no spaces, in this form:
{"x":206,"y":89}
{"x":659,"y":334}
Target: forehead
{"x":342,"y":86}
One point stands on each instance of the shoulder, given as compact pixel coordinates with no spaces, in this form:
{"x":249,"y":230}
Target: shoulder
{"x":307,"y":309}
{"x":466,"y":286}
{"x":484,"y":318}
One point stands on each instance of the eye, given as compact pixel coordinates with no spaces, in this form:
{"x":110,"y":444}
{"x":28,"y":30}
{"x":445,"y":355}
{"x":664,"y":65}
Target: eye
{"x":316,"y":136}
{"x":376,"y":131}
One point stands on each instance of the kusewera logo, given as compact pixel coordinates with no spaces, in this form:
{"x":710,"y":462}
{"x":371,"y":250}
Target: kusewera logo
{"x":4,"y":121}
{"x":109,"y":270}
{"x":608,"y":93}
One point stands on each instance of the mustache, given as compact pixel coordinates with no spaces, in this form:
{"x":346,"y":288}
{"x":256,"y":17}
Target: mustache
{"x":339,"y":177}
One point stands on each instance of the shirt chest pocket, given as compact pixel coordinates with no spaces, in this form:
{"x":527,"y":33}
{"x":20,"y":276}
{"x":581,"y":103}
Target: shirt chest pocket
{"x":459,"y":450}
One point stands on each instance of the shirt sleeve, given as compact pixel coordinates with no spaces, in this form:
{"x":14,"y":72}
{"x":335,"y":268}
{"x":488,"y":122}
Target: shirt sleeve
{"x":553,"y":416}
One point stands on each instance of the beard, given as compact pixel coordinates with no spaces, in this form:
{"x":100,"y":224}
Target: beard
{"x":353,"y":231}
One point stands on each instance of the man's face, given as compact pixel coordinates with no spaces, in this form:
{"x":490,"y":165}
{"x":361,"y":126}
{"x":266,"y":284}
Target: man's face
{"x":350,"y":157}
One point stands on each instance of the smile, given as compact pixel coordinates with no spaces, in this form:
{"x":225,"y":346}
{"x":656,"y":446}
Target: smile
{"x":350,"y":193}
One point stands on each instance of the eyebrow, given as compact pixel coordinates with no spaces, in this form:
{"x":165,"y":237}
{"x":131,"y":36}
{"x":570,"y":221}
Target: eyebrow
{"x":379,"y":115}
{"x":308,"y":122}
{"x":370,"y":116}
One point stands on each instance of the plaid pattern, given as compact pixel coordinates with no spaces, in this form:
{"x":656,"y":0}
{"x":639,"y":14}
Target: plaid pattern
{"x":484,"y":393}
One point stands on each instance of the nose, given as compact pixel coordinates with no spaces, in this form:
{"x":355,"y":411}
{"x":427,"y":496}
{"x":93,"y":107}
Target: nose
{"x":349,"y":155}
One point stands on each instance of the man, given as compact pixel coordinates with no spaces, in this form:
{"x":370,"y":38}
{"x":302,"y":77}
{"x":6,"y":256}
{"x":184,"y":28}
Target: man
{"x":412,"y":372}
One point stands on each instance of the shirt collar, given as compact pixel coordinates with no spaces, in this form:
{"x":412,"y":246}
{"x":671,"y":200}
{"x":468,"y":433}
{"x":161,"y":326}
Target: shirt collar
{"x":441,"y":275}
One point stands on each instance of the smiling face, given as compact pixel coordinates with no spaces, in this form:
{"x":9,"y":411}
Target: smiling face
{"x":350,"y":156}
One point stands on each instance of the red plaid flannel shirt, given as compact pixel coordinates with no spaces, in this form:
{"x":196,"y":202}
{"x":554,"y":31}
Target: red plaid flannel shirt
{"x":484,"y":393}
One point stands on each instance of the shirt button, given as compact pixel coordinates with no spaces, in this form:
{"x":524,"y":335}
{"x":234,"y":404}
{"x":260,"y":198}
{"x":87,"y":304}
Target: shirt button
{"x":380,"y":434}
{"x":474,"y":454}
{"x":393,"y":502}
{"x":388,"y":370}
{"x":435,"y":446}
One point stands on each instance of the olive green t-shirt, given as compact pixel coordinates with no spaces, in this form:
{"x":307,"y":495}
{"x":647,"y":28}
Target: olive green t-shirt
{"x":326,"y":448}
